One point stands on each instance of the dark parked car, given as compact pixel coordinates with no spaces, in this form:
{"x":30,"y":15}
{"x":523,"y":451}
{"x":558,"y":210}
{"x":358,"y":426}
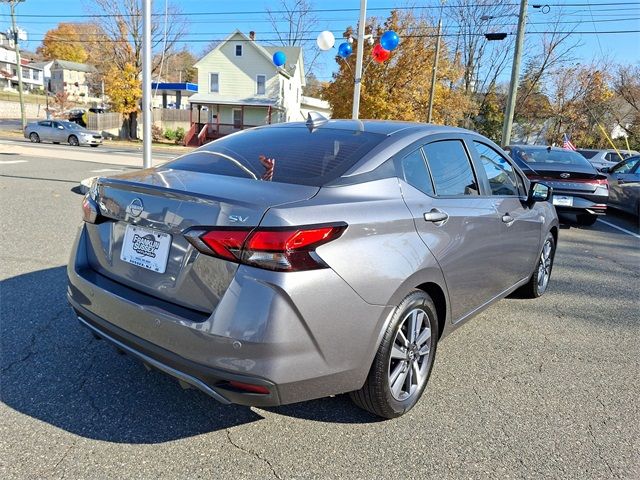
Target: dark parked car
{"x":292,"y":261}
{"x":577,"y":186}
{"x":624,"y":185}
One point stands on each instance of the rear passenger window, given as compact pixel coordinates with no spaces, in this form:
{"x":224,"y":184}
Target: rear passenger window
{"x":502,"y":178}
{"x":44,"y":124}
{"x":415,"y":173}
{"x":450,"y":168}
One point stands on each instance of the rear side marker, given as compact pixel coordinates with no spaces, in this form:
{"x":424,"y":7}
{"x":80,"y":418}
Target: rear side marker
{"x":281,"y":249}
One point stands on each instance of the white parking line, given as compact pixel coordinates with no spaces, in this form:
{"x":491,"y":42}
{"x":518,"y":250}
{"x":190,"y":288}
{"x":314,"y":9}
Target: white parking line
{"x":628,"y":232}
{"x":104,"y":170}
{"x":9,"y":162}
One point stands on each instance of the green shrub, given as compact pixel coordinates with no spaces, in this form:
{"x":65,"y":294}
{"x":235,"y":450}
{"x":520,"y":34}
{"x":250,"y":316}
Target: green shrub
{"x":180,"y":135}
{"x":170,"y":134}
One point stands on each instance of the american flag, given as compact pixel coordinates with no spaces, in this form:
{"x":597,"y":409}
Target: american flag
{"x":566,"y":143}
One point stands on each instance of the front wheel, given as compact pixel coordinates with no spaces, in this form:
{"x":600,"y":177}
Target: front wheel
{"x":403,"y":362}
{"x":33,"y":136}
{"x":586,"y":219}
{"x":94,"y":146}
{"x":73,"y":141}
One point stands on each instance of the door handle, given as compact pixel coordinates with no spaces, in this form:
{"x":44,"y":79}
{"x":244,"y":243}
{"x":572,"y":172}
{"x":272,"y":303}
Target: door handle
{"x":508,"y":219}
{"x":435,"y":216}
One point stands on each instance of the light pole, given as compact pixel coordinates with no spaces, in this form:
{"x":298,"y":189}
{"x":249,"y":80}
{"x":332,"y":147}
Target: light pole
{"x":12,"y":6}
{"x":359,"y":55}
{"x":146,"y":84}
{"x":515,"y":76}
{"x":434,"y":72}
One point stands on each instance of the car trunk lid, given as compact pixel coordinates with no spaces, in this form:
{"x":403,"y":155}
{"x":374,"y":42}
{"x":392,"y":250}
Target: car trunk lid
{"x":142,"y":243}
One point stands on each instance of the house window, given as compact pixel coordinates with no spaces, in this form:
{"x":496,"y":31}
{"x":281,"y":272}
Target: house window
{"x":238,"y":50}
{"x":214,"y":83}
{"x":25,"y":73}
{"x":261,"y":81}
{"x":36,"y":75}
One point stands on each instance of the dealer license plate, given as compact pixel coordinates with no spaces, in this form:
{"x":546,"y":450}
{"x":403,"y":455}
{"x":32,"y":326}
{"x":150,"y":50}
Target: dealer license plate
{"x":563,"y":201}
{"x":146,"y":248}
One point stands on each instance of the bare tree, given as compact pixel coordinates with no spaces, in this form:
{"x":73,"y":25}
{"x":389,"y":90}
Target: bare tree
{"x":294,"y":26}
{"x":473,"y":19}
{"x":121,"y":23}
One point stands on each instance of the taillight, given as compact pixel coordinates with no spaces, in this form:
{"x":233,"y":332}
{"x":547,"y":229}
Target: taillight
{"x":282,"y":249}
{"x":90,"y":211}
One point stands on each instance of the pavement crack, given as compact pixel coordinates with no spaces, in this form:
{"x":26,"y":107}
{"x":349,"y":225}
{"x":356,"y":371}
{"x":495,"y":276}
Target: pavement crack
{"x":597,"y":448}
{"x":29,"y":350}
{"x":251,"y":452}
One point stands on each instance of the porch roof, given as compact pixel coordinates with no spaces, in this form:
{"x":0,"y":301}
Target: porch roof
{"x":204,"y":99}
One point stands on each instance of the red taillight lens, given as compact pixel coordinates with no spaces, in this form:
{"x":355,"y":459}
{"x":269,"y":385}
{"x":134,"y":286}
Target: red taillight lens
{"x":248,"y":387}
{"x":89,"y":210}
{"x":226,"y":243}
{"x":282,"y":249}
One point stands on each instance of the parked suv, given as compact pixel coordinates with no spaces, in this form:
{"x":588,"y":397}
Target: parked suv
{"x":295,"y":261}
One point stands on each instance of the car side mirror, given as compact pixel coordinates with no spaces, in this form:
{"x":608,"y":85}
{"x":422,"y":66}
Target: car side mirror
{"x":539,"y":192}
{"x":60,"y":127}
{"x":605,"y":170}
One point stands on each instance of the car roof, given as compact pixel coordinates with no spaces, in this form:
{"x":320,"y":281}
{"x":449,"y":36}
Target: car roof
{"x":383,"y":127}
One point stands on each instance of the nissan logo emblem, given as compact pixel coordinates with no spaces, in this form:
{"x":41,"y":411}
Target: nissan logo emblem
{"x":565,"y":175}
{"x":135,"y":207}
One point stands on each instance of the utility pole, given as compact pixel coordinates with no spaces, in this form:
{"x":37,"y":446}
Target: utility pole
{"x":12,"y":6}
{"x":515,"y":75}
{"x":359,"y":54}
{"x":434,"y":72}
{"x":146,"y":84}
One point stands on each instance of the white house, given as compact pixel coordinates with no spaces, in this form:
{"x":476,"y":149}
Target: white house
{"x":32,"y":76}
{"x":240,"y":87}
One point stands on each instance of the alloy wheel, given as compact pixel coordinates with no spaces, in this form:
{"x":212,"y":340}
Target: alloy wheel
{"x":409,"y":359}
{"x":544,"y":266}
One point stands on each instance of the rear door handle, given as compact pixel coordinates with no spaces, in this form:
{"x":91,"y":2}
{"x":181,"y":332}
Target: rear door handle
{"x":435,"y":216}
{"x":508,"y":219}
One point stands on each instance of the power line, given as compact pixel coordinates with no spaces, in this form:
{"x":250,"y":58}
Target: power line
{"x":83,"y":36}
{"x":452,"y":34}
{"x":335,"y":10}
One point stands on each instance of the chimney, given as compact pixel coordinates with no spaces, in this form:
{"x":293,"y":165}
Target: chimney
{"x":252,"y":35}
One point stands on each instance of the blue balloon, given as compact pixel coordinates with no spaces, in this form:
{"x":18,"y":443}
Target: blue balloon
{"x":345,"y":49}
{"x":389,"y":40}
{"x":279,"y":58}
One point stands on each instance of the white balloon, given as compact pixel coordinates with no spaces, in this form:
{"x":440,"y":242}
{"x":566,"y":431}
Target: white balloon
{"x":325,"y":40}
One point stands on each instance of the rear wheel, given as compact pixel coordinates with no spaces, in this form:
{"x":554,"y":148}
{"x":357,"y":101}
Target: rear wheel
{"x":94,"y":146}
{"x":73,"y":141}
{"x":404,"y":359}
{"x":586,"y":219}
{"x":34,"y":137}
{"x":540,"y":279}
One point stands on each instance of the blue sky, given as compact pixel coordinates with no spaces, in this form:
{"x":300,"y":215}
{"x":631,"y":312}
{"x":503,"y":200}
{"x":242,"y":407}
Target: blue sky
{"x":621,"y":48}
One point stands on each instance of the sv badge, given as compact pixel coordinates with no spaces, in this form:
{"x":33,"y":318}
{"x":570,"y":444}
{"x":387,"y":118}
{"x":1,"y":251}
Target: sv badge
{"x":238,"y":218}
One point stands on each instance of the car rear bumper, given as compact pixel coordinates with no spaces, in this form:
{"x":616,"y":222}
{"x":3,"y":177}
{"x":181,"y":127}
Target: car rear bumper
{"x":592,"y":204}
{"x":303,"y":335}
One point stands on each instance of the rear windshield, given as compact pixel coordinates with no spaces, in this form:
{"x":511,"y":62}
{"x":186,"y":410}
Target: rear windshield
{"x":542,"y":156}
{"x":282,"y":154}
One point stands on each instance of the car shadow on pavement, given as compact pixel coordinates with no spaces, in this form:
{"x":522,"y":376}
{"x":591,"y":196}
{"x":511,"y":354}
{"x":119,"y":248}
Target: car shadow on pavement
{"x":54,"y":370}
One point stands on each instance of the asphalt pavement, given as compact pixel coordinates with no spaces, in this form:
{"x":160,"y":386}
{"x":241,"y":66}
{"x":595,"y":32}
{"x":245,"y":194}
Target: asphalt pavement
{"x":544,"y":388}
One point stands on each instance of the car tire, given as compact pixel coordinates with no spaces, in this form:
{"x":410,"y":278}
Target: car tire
{"x":94,"y":146}
{"x":34,"y":137}
{"x":538,"y":284}
{"x":586,"y":219}
{"x":402,"y":359}
{"x":73,"y":141}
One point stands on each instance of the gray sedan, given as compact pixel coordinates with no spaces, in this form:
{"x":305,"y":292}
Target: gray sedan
{"x":624,"y":185}
{"x":61,"y":131}
{"x":290,"y":262}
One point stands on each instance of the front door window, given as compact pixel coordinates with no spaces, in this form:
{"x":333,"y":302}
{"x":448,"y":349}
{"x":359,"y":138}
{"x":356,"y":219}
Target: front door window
{"x":237,"y":118}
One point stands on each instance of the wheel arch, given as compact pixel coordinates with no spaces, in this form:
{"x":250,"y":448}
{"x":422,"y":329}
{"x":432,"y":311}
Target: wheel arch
{"x":439,"y":298}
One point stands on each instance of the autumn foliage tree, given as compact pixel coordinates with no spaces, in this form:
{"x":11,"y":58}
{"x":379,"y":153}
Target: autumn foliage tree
{"x":125,"y":91}
{"x":399,"y":88}
{"x":63,"y":43}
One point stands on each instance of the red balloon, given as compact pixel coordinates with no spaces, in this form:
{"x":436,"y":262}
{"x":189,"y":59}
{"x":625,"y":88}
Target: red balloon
{"x":379,"y":54}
